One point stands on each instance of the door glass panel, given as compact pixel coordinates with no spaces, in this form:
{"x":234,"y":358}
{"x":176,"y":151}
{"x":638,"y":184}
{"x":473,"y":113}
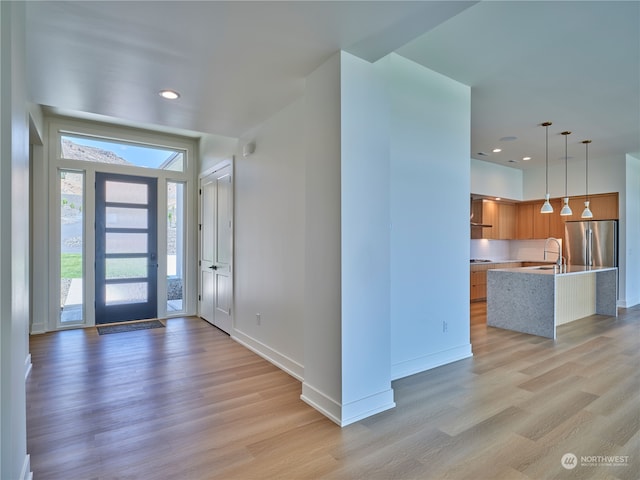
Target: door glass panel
{"x":126,"y":268}
{"x":120,"y":217}
{"x":123,"y":293}
{"x":124,"y":192}
{"x":126,"y":242}
{"x":175,"y":246}
{"x":71,"y":246}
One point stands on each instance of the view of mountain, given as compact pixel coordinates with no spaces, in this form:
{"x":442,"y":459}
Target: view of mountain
{"x":90,"y":154}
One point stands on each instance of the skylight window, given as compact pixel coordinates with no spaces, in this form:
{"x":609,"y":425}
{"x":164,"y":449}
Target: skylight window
{"x":99,"y":150}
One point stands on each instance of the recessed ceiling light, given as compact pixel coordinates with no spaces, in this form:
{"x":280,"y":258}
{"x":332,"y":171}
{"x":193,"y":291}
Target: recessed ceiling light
{"x":526,"y":158}
{"x":169,"y":94}
{"x":496,"y":150}
{"x":508,"y":139}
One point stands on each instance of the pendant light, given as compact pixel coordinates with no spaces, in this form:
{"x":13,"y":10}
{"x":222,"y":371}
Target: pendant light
{"x":546,"y":206}
{"x":566,"y":210}
{"x":586,"y":213}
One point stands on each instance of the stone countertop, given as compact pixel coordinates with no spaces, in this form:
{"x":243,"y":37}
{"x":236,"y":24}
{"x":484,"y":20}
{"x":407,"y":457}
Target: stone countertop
{"x":571,"y":270}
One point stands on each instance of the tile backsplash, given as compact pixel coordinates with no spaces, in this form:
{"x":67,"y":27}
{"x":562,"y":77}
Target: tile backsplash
{"x":498,"y":250}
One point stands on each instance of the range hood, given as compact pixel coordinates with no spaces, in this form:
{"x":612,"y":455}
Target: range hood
{"x":475,"y":224}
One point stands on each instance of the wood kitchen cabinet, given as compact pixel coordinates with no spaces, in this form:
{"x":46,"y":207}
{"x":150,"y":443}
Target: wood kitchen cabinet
{"x":541,"y":221}
{"x":524,"y":221}
{"x":577,"y":206}
{"x":501,"y":217}
{"x":478,"y":283}
{"x":506,"y":221}
{"x":556,"y":221}
{"x":604,"y":206}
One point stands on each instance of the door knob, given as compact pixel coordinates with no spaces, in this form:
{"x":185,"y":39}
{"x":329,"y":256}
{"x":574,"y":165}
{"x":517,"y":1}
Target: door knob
{"x":213,"y":267}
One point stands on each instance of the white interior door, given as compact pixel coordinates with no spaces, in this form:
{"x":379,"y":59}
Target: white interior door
{"x":216,"y":248}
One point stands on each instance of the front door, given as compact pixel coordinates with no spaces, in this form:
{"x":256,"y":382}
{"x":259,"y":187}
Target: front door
{"x":126,"y":248}
{"x":216,"y":240}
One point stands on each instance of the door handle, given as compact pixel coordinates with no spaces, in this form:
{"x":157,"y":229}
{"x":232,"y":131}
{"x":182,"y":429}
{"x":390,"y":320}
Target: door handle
{"x":213,"y":267}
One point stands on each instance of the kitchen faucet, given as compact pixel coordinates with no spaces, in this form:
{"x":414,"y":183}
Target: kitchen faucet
{"x":561,"y":260}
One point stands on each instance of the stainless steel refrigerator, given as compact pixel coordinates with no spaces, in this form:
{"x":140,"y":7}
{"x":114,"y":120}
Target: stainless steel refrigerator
{"x":592,"y":243}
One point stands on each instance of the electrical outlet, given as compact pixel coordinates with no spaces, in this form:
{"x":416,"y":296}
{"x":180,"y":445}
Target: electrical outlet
{"x":258,"y":319}
{"x":445,"y":326}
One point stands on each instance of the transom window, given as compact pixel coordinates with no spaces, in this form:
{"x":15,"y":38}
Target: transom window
{"x":100,"y":150}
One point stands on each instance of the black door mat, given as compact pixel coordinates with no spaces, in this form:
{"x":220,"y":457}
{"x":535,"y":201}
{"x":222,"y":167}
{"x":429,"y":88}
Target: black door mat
{"x":129,"y":327}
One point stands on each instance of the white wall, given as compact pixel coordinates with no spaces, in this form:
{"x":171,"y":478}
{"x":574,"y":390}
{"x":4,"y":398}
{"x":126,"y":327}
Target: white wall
{"x":496,"y":180}
{"x":630,"y":235}
{"x":269,"y":265}
{"x":214,"y":149}
{"x":365,"y":216}
{"x":429,"y":181}
{"x":605,"y":175}
{"x":322,"y":385}
{"x":14,"y":244}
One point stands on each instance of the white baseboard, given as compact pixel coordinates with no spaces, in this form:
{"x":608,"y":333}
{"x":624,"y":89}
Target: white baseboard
{"x":367,"y":407}
{"x":26,"y":473}
{"x":629,"y":303}
{"x":327,"y":406}
{"x":427,"y":362}
{"x":280,"y":360}
{"x":348,"y":413}
{"x":27,"y":366}
{"x":38,"y":328}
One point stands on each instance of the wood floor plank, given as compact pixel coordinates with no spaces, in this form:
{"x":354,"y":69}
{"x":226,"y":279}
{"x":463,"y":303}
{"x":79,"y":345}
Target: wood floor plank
{"x":186,"y":402}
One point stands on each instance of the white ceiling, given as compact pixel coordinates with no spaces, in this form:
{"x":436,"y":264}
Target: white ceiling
{"x":236,"y":63}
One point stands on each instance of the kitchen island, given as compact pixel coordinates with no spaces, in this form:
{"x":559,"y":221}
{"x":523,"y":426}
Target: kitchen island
{"x":536,"y":300}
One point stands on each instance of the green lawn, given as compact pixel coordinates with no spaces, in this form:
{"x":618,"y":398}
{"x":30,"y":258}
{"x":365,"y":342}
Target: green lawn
{"x":71,"y":265}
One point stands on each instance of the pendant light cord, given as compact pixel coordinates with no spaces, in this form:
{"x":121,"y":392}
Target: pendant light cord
{"x":566,"y":164}
{"x":566,"y":168}
{"x":586,"y":176}
{"x":546,"y":146}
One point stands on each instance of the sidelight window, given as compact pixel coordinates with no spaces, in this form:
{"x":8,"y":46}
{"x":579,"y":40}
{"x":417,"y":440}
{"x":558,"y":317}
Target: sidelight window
{"x":175,"y":246}
{"x":71,"y":246}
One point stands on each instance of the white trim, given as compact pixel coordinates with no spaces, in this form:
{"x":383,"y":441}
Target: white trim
{"x":27,"y":366}
{"x":218,"y":166}
{"x":366,"y":407}
{"x":324,"y":404}
{"x":629,"y":303}
{"x":26,"y":473}
{"x":280,"y":360}
{"x":38,"y":328}
{"x":427,"y":362}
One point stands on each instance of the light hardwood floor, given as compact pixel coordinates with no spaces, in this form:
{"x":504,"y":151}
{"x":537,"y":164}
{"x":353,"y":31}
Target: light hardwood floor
{"x":188,"y":403}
